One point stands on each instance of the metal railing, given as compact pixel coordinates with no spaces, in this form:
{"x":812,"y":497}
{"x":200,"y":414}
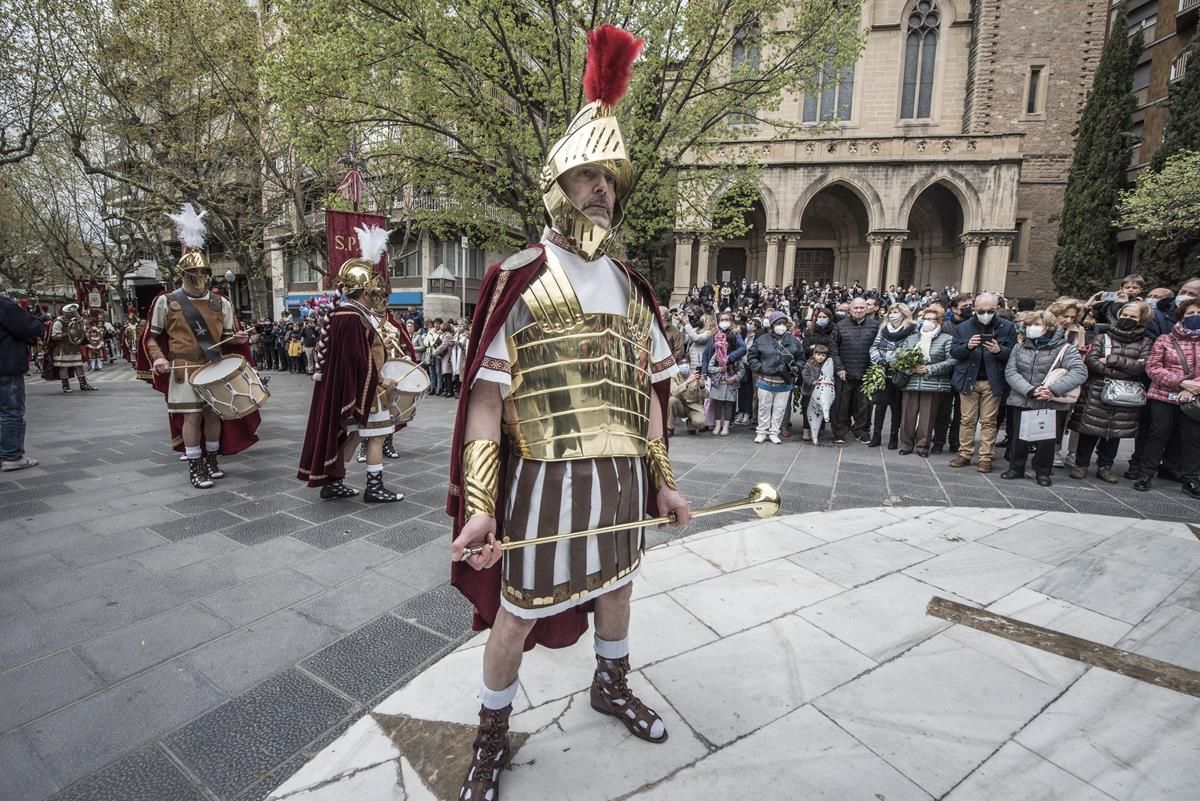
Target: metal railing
{"x":1188,"y":5}
{"x":1179,"y":65}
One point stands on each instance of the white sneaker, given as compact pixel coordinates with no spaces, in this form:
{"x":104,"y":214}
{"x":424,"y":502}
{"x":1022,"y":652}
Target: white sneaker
{"x":1058,"y":459}
{"x":775,"y":439}
{"x":1068,"y":459}
{"x":760,"y":439}
{"x":19,"y":464}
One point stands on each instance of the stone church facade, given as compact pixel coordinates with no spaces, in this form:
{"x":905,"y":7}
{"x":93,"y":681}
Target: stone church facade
{"x":940,"y":159}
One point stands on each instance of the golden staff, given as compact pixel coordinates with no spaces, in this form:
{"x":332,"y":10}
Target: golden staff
{"x":763,"y":499}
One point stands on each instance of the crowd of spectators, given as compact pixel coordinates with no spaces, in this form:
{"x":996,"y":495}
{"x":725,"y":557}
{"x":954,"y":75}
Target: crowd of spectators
{"x":923,"y":371}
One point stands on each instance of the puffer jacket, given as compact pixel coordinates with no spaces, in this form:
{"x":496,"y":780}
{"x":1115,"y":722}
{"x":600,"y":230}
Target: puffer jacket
{"x":851,"y":348}
{"x":776,"y":358}
{"x":1027,"y":368}
{"x":1128,"y":350}
{"x":1165,"y":369}
{"x":940,"y":364}
{"x":883,"y":349}
{"x":815,"y":335}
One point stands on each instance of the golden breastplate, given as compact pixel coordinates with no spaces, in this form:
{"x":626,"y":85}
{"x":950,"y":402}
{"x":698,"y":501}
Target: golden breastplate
{"x":580,"y":382}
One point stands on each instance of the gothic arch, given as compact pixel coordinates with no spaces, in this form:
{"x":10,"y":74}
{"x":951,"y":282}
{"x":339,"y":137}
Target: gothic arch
{"x":948,"y":8}
{"x":863,"y":190}
{"x":765,"y":195}
{"x":959,"y":185}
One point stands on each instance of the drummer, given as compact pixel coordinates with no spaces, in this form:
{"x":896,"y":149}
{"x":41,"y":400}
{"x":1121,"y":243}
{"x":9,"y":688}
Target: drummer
{"x":188,"y":329}
{"x":351,"y":400}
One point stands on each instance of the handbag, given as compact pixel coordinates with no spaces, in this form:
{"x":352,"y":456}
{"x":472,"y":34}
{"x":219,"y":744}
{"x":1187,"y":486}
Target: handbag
{"x":1123,"y":392}
{"x":1191,"y":409}
{"x":1037,"y":425}
{"x":1056,"y":374}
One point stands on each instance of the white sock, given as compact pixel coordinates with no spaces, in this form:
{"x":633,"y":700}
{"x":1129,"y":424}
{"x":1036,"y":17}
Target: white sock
{"x":612,"y":649}
{"x":372,"y":469}
{"x":192,"y":451}
{"x":497,"y":699}
{"x":212,"y":447}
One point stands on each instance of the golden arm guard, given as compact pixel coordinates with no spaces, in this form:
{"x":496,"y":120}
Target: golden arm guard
{"x":481,"y":477}
{"x":659,"y":464}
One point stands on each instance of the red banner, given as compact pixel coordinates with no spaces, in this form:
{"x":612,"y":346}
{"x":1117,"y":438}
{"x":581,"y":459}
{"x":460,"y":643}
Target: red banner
{"x":341,"y":243}
{"x":92,"y":295}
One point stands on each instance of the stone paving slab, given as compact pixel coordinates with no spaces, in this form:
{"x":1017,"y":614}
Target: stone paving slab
{"x":834,"y":682}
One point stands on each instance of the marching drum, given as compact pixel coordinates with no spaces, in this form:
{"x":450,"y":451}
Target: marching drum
{"x":411,"y":385}
{"x":231,"y":387}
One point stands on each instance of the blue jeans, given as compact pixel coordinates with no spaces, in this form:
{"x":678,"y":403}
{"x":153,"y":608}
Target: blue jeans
{"x":12,"y":417}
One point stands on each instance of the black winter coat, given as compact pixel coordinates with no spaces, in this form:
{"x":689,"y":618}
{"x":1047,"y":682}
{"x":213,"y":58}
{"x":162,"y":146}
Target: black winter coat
{"x":815,"y":335}
{"x":1130,"y":350}
{"x":18,"y":328}
{"x":851,"y":348}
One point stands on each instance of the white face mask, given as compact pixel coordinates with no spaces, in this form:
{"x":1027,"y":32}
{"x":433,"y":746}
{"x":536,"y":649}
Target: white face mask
{"x":780,"y":330}
{"x":822,"y":321}
{"x":724,"y":325}
{"x":929,"y":325}
{"x":894,"y":318}
{"x":1182,"y":298}
{"x":1034,"y":331}
{"x":985,"y":317}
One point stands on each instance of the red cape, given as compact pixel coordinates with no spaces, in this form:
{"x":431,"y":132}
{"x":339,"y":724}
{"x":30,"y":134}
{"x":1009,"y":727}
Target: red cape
{"x":499,"y":291}
{"x":347,"y":371}
{"x":236,"y":435}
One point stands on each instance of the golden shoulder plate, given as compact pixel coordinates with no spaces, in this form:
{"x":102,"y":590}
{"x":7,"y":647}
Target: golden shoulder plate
{"x":521,"y":258}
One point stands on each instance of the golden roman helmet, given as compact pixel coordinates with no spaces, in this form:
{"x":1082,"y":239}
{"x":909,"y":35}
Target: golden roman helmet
{"x":189,"y":227}
{"x":196,"y":272}
{"x":362,"y":273}
{"x":71,"y":310}
{"x":594,"y":137}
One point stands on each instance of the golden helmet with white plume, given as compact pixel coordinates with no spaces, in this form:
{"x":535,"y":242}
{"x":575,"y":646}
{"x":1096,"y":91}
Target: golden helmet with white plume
{"x":189,"y":227}
{"x":362,"y":273}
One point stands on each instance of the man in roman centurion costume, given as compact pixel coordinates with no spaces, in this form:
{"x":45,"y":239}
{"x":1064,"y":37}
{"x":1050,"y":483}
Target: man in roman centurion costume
{"x":67,"y":337}
{"x":396,"y":345}
{"x":183,"y":335}
{"x":561,"y":428}
{"x":351,"y":399}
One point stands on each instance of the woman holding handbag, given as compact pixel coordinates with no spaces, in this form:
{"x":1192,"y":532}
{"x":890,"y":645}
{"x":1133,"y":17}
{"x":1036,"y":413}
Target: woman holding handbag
{"x":928,"y":384}
{"x":1174,"y":367}
{"x":1112,"y":399}
{"x":1044,"y":374}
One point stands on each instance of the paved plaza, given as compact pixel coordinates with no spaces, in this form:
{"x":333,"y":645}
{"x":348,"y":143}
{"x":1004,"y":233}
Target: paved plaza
{"x":160,"y":642}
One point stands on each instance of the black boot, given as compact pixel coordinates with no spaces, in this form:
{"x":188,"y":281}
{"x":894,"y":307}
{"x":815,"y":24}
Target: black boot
{"x":893,"y":442}
{"x":389,"y":452}
{"x":198,"y":472}
{"x":377,"y":493}
{"x":336,"y":489}
{"x":85,"y":386}
{"x":66,"y":385}
{"x":1191,"y":488}
{"x":1013,"y":472}
{"x":1142,"y":484}
{"x":876,"y":440}
{"x":214,"y":469}
{"x":490,"y":755}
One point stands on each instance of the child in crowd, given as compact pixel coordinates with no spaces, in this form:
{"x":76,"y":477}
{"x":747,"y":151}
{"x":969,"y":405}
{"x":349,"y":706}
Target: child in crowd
{"x":818,"y":387}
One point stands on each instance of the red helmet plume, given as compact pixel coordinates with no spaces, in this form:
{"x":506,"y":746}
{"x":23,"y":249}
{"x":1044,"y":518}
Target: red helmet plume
{"x":611,"y":53}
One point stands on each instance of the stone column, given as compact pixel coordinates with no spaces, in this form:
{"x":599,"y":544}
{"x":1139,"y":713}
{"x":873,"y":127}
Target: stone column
{"x":702,"y":262}
{"x":770,"y":273}
{"x":995,"y":262}
{"x":970,"y":265}
{"x":893,"y":263}
{"x":683,"y":267}
{"x":875,"y":259}
{"x":789,"y":259}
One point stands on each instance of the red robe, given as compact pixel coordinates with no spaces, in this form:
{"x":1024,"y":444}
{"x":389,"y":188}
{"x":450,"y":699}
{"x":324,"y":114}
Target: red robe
{"x":236,"y":435}
{"x":499,"y":291}
{"x":349,"y":381}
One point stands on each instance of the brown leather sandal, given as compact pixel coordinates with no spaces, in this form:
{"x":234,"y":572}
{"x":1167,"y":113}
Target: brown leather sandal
{"x":611,"y":696}
{"x":490,"y":755}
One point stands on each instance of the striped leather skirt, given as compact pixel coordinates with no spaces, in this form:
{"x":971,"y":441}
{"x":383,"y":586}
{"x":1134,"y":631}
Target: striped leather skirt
{"x":547,"y":498}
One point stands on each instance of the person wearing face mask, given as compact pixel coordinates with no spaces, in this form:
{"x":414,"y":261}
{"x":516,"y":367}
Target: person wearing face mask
{"x":1043,"y":348}
{"x":722,"y":366}
{"x":851,"y":347}
{"x":776,"y":358}
{"x":929,"y":383}
{"x":1118,"y":355}
{"x":949,"y":419}
{"x":1174,"y":370}
{"x":981,"y":348}
{"x":687,"y":398}
{"x":744,"y":413}
{"x":892,"y":333}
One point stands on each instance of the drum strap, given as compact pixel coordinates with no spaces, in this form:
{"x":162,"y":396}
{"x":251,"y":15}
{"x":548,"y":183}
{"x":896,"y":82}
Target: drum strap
{"x":197,"y":326}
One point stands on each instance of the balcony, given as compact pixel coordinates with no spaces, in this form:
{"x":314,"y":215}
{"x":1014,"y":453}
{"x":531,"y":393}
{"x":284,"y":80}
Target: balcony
{"x":1179,"y":65}
{"x":1188,"y":11}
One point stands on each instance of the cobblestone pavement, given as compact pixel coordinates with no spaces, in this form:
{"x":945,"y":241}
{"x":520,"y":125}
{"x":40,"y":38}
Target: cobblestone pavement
{"x":162,"y":642}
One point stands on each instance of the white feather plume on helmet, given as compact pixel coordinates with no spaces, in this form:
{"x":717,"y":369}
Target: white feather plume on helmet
{"x":372,"y":242}
{"x":189,"y":224}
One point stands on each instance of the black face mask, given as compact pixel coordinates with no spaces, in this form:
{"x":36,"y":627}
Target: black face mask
{"x":1126,"y":324}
